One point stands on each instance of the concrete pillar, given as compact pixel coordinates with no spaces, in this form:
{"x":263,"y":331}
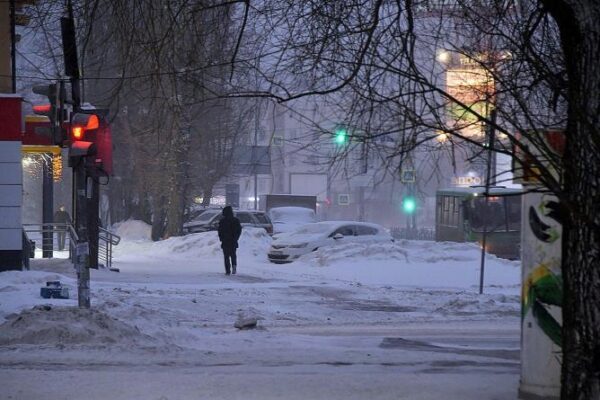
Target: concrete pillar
{"x":541,"y":300}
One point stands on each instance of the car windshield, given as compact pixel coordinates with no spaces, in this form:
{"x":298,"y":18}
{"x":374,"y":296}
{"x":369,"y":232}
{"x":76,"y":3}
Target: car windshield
{"x":314,"y":228}
{"x":207,"y":216}
{"x":262,"y":218}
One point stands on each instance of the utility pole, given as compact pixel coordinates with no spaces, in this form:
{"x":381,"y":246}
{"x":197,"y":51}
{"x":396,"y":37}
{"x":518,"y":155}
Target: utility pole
{"x":47,"y":205}
{"x":491,"y":132}
{"x":255,"y":154}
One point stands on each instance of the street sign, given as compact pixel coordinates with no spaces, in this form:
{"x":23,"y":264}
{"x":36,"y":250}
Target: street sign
{"x":408,"y":176}
{"x":343,"y":199}
{"x":82,"y":249}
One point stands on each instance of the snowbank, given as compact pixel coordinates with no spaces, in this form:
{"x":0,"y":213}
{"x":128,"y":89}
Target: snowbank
{"x":134,"y":230}
{"x":48,"y":325}
{"x":354,"y":251}
{"x":254,"y":242}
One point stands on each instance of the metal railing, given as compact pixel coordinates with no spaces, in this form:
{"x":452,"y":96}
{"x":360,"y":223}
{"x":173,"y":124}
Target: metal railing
{"x":413,"y":234}
{"x":106,"y":241}
{"x":46,"y":236}
{"x":43,"y":236}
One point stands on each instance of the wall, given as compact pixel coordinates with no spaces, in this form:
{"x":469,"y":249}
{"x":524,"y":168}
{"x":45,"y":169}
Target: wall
{"x":11,"y":183}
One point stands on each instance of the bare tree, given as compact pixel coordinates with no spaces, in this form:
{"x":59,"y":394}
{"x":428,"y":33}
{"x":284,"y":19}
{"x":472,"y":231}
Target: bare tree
{"x":535,"y":68}
{"x":534,"y":64}
{"x":161,"y":67}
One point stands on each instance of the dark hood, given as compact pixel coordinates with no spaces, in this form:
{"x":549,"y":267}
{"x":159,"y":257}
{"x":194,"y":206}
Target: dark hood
{"x":228,"y":212}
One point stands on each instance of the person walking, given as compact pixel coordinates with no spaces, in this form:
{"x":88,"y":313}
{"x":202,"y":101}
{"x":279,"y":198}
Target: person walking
{"x":63,"y":218}
{"x":230,"y":230}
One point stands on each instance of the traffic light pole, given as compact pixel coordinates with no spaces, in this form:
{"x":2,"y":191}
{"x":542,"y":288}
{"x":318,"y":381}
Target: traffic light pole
{"x":491,"y":132}
{"x":411,"y":218}
{"x":82,"y":247}
{"x":47,"y":206}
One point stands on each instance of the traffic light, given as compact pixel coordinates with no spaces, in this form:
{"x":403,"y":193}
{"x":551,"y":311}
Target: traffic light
{"x":53,"y":110}
{"x":409,"y":204}
{"x":49,"y":109}
{"x":82,"y":123}
{"x":93,"y":129}
{"x":341,"y":136}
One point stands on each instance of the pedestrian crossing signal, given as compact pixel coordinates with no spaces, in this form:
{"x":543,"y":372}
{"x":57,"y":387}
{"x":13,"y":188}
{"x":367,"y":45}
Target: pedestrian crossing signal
{"x":409,"y":205}
{"x":341,"y":136}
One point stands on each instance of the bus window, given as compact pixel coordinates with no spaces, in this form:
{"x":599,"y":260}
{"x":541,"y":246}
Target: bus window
{"x":489,"y":215}
{"x":513,"y":212}
{"x":449,"y":211}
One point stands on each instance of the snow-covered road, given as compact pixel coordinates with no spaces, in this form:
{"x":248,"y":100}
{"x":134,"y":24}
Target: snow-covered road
{"x":404,"y":321}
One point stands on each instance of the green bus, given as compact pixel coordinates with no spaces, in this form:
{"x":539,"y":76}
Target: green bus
{"x":463,"y":214}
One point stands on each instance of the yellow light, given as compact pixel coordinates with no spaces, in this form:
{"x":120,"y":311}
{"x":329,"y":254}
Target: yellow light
{"x":57,"y":168}
{"x":77,"y":132}
{"x":442,"y":136}
{"x":443,"y":56}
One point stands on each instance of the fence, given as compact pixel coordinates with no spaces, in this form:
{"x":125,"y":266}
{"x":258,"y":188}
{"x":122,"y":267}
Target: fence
{"x":42,"y":236}
{"x":413,"y":234}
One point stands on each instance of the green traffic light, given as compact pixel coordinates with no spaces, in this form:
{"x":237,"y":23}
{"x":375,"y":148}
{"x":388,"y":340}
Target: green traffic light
{"x":409,"y":205}
{"x":341,"y":136}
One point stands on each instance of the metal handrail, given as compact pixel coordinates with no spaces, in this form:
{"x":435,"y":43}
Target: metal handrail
{"x":47,"y":230}
{"x":113,"y":237}
{"x":107,"y":240}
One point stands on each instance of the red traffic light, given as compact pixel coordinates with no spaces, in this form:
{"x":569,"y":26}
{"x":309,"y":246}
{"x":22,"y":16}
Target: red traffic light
{"x":93,"y":128}
{"x":82,"y":123}
{"x":42,"y":109}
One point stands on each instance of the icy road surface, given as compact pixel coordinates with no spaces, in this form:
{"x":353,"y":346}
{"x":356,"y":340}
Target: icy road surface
{"x":397,"y":321}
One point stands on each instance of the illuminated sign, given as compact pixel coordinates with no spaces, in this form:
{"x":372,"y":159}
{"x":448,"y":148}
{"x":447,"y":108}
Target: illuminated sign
{"x":473,"y":89}
{"x":467,"y":180}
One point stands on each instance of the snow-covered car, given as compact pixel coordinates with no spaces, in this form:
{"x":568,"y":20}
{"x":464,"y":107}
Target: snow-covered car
{"x":209,"y":221}
{"x":287,"y":219}
{"x":288,"y":247}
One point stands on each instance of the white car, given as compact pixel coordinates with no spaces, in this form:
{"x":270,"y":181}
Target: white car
{"x":287,"y":247}
{"x":287,"y":219}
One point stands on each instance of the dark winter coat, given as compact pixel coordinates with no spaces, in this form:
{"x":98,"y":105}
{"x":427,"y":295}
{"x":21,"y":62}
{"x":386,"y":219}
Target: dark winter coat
{"x":230,"y":229}
{"x":62,"y":217}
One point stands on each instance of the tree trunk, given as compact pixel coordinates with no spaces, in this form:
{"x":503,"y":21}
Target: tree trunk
{"x":579,"y":23}
{"x":158,"y":217}
{"x":207,"y":192}
{"x":176,"y":207}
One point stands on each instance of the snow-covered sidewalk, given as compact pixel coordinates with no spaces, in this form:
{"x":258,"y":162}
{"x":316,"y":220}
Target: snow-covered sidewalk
{"x":402,"y":320}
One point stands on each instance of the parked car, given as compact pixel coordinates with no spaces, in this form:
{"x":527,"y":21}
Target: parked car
{"x":287,"y":219}
{"x":258,"y":219}
{"x":192,"y":214}
{"x":209,"y":221}
{"x":287,"y":247}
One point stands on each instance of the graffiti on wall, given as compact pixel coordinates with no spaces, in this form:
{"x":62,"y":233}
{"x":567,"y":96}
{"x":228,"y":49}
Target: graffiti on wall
{"x":543,"y":286}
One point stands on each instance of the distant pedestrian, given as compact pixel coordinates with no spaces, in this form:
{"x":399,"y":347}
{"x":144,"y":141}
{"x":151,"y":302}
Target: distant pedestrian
{"x":230,"y":230}
{"x":63,"y":218}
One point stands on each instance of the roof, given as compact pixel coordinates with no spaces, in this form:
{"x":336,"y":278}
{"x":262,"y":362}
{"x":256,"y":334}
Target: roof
{"x":480,"y":190}
{"x":338,"y":223}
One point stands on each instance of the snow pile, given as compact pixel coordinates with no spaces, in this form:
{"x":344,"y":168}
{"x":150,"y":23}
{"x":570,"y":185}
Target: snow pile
{"x":39,"y":278}
{"x":501,"y":304}
{"x":133,"y":230}
{"x":49,"y":325}
{"x":353,"y":251}
{"x":254,"y":242}
{"x":435,"y":252}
